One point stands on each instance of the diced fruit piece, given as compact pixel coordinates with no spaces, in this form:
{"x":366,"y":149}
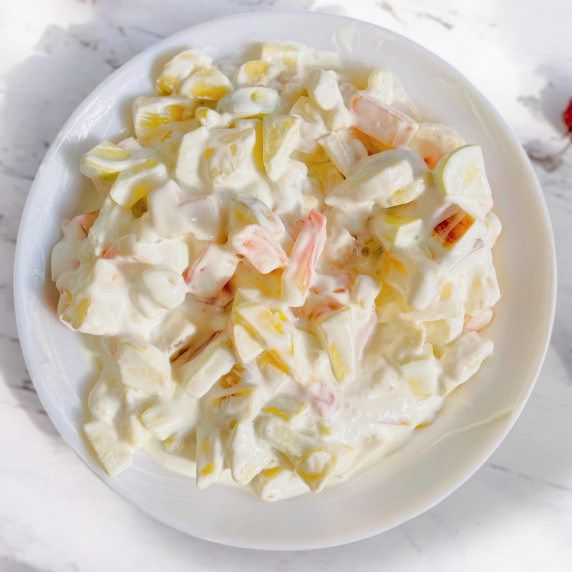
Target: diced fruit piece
{"x":167,"y":220}
{"x":256,"y":72}
{"x":421,"y":375}
{"x":284,"y":55}
{"x":337,"y":333}
{"x":396,"y":231}
{"x":166,"y":287}
{"x":246,"y":209}
{"x":462,"y":178}
{"x":324,"y":90}
{"x":250,"y":102}
{"x":211,"y":118}
{"x":210,"y":455}
{"x":137,"y":182}
{"x":190,"y":157}
{"x":385,"y":124}
{"x":478,"y":321}
{"x":389,"y":178}
{"x":258,"y":247}
{"x":155,"y":118}
{"x":105,"y":161}
{"x":303,"y":259}
{"x":315,"y":468}
{"x":285,"y":407}
{"x":228,"y":157}
{"x":280,"y":137}
{"x":451,"y":229}
{"x":210,"y":272}
{"x":144,"y":367}
{"x":198,"y":373}
{"x":207,"y":84}
{"x":432,"y":141}
{"x":463,"y":358}
{"x":380,"y":82}
{"x":164,"y":418}
{"x":115,"y":455}
{"x":344,"y":150}
{"x":203,"y":217}
{"x":179,"y":67}
{"x":312,"y":126}
{"x":276,"y":482}
{"x":248,"y":454}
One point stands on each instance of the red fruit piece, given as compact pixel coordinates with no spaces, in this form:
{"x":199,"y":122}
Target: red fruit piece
{"x":567,"y":116}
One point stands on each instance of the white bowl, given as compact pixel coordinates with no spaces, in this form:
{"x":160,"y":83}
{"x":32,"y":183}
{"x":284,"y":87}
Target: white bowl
{"x":438,"y":458}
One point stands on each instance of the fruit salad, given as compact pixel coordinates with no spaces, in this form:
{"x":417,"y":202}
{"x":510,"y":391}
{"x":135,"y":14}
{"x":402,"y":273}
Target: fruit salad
{"x":288,"y":272}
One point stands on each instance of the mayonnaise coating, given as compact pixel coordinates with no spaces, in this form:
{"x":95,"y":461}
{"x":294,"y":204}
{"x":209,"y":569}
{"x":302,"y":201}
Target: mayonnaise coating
{"x":288,"y":272}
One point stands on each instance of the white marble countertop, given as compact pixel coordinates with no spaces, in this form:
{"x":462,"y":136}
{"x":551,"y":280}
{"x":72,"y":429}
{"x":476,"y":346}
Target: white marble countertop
{"x":514,"y":514}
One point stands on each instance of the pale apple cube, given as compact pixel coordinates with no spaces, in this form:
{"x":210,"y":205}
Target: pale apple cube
{"x":463,"y":358}
{"x":190,"y":157}
{"x":163,"y":419}
{"x":315,"y":468}
{"x":176,"y":331}
{"x":202,"y":371}
{"x":284,"y":55}
{"x":422,"y":376}
{"x":137,"y":182}
{"x":179,"y":67}
{"x":246,"y":209}
{"x":385,"y":178}
{"x":248,"y":454}
{"x":494,"y":227}
{"x":337,"y":333}
{"x":104,"y":399}
{"x":206,"y":84}
{"x":444,"y":331}
{"x":280,"y":136}
{"x":276,"y":483}
{"x":210,"y":455}
{"x":397,"y":231}
{"x":323,"y":88}
{"x":380,"y":82}
{"x":385,"y":124}
{"x":211,"y":271}
{"x":344,"y":150}
{"x":282,"y":437}
{"x":144,"y":367}
{"x":245,"y":345}
{"x":167,"y":220}
{"x":202,"y":216}
{"x":114,"y":454}
{"x":312,"y":126}
{"x":257,"y":72}
{"x":155,"y":118}
{"x":166,"y":287}
{"x":250,"y":102}
{"x":258,"y":247}
{"x":137,"y":434}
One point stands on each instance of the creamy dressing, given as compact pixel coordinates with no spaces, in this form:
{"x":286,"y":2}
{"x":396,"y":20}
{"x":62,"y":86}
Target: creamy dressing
{"x":288,"y":273}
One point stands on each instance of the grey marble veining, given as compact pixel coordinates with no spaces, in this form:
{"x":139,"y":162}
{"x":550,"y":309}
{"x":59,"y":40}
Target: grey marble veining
{"x":515,"y":513}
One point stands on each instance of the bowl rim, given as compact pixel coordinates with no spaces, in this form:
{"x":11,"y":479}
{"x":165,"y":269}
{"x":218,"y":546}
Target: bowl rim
{"x":60,"y":137}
